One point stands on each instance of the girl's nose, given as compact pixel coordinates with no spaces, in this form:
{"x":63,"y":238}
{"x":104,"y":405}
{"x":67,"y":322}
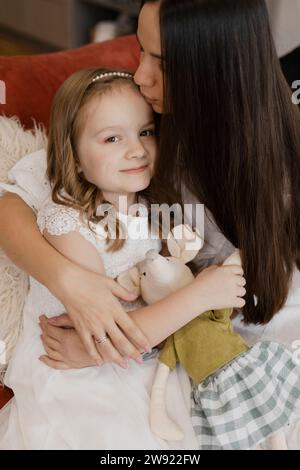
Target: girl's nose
{"x":136,"y":150}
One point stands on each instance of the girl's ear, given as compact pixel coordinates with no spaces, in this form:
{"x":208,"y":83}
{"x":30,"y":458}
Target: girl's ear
{"x":130,"y":280}
{"x":184,"y":243}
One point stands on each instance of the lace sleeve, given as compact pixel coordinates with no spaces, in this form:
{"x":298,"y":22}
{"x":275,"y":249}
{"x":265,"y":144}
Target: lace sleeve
{"x":59,"y":220}
{"x":28,"y":180}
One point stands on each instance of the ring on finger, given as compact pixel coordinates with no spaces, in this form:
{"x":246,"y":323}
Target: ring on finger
{"x":101,"y":340}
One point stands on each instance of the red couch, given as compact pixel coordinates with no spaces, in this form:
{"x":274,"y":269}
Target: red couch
{"x":31,"y":82}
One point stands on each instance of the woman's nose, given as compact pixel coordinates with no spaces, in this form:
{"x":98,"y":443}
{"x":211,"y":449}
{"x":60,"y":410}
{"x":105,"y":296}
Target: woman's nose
{"x":142,"y":77}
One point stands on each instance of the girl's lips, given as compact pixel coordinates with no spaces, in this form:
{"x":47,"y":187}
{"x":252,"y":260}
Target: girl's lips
{"x":141,"y":169}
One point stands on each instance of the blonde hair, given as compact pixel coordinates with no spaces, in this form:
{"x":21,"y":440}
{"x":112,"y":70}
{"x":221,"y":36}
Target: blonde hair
{"x":69,"y":186}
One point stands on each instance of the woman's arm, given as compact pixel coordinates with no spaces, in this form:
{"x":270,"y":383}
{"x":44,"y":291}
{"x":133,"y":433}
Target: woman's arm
{"x":79,"y":290}
{"x":20,"y":238}
{"x":78,"y":250}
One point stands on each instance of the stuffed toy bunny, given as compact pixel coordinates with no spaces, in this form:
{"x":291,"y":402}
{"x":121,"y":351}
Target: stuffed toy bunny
{"x":251,"y":407}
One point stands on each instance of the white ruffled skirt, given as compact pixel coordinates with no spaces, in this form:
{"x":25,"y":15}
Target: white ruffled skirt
{"x":103,"y":408}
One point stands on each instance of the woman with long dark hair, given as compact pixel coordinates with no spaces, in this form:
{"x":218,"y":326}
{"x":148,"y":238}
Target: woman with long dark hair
{"x":229,"y":138}
{"x":229,"y":132}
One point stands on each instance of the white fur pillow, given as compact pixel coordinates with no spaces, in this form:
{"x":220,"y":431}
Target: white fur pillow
{"x":15,"y":143}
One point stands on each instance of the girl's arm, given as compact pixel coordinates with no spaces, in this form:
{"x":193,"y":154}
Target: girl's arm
{"x":79,"y":290}
{"x":214,"y":288}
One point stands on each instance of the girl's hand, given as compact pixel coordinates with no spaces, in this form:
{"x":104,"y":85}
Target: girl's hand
{"x":90,"y":300}
{"x":64,"y":347}
{"x":221,"y":287}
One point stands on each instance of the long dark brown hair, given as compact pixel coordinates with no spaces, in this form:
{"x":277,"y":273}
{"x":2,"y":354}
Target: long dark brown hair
{"x":232,"y":135}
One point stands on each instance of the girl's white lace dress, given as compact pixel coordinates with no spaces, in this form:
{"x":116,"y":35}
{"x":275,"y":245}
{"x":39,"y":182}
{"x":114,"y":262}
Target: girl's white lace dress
{"x":93,"y":408}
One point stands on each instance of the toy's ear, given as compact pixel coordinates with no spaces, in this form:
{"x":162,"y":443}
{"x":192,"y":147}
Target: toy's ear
{"x":130,"y":280}
{"x":184,"y":243}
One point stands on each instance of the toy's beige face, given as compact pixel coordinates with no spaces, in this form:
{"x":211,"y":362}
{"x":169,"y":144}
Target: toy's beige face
{"x":160,"y":276}
{"x":157,"y":268}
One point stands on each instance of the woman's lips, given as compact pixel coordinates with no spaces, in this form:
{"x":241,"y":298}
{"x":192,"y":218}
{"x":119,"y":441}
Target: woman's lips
{"x":140,"y":169}
{"x":150,"y":100}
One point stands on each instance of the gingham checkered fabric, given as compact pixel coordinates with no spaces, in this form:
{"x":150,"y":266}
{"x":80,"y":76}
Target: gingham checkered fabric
{"x":245,"y":402}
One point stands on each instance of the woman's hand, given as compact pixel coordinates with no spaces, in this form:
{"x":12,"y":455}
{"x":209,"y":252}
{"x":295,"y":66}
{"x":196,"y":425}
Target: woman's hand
{"x":221,"y":287}
{"x":64,"y":347}
{"x":90,"y":300}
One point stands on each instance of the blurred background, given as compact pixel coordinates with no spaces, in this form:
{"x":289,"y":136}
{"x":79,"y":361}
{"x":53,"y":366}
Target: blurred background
{"x":38,"y":26}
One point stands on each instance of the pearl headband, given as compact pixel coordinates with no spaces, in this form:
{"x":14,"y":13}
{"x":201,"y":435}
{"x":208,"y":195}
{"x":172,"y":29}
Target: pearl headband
{"x":112,"y":74}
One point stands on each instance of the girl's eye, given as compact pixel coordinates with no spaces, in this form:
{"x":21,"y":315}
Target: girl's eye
{"x":148,"y":133}
{"x":112,"y":140}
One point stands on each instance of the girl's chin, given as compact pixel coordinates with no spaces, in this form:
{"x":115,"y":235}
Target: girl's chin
{"x":138,"y":188}
{"x":138,"y":183}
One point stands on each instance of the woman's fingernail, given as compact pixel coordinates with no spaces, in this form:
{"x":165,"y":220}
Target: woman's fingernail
{"x":52,"y":320}
{"x":99,"y":362}
{"x":124,"y":364}
{"x":148,"y":349}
